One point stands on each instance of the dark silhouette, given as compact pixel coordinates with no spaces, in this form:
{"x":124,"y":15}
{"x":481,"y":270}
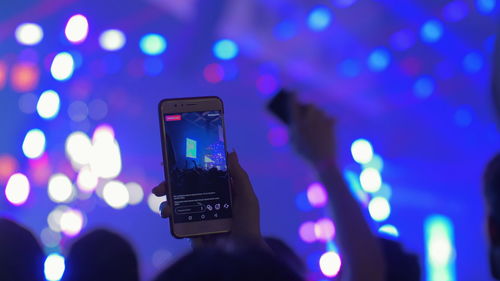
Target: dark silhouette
{"x":400,"y":265}
{"x":282,"y":251}
{"x":21,"y":257}
{"x":101,"y":255}
{"x":492,"y":194}
{"x":216,"y":264}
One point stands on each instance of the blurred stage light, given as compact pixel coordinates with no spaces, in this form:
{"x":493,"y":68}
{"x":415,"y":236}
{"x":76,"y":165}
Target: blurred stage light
{"x":60,"y":189}
{"x":316,"y":194}
{"x":50,"y":238}
{"x":153,"y":66}
{"x":370,"y":180}
{"x":440,"y":248}
{"x":455,"y":10}
{"x":8,"y":165}
{"x":24,"y":77}
{"x":278,"y":136}
{"x":285,"y":30}
{"x":376,"y":163}
{"x":71,"y":222}
{"x":319,"y":18}
{"x":302,"y":202}
{"x":17,"y":189}
{"x":379,"y":59}
{"x":379,"y":209}
{"x":153,"y":44}
{"x":352,"y":180}
{"x":136,"y":194}
{"x":225,"y":49}
{"x":98,"y":109}
{"x":472,"y":62}
{"x":154,"y":203}
{"x":485,"y":6}
{"x":29,"y":34}
{"x":34,"y":143}
{"x":78,"y":111}
{"x":77,"y":29}
{"x":3,"y":74}
{"x":48,"y":105}
{"x":54,"y":267}
{"x":267,"y":84}
{"x":115,"y":194}
{"x":86,"y":180}
{"x":330,"y":263}
{"x":423,"y":87}
{"x":112,"y":40}
{"x":389,"y":229}
{"x":78,"y":149}
{"x":105,"y":159}
{"x":62,"y":66}
{"x":324,"y":229}
{"x":307,"y":232}
{"x":431,"y":31}
{"x":362,"y":151}
{"x":385,"y":191}
{"x":350,"y":68}
{"x":213,"y":73}
{"x":54,"y":217}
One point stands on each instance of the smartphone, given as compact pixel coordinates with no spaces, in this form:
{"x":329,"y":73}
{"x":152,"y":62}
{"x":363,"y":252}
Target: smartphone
{"x":280,"y":106}
{"x":195,"y":166}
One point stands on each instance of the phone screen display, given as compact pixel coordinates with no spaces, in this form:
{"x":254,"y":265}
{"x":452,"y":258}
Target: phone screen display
{"x":197,"y":167}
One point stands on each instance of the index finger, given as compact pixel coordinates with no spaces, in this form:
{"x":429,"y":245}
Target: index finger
{"x":160,"y":190}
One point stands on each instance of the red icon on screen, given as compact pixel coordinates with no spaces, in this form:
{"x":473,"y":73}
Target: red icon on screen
{"x":176,"y":117}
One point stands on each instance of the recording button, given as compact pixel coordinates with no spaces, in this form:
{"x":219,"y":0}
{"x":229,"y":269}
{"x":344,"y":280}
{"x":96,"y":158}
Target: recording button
{"x":217,"y":206}
{"x":226,"y":206}
{"x":202,"y":217}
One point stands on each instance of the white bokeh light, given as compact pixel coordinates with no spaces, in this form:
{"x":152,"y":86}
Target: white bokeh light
{"x":71,"y":222}
{"x":62,"y":66}
{"x":78,"y":149}
{"x":105,"y":159}
{"x":112,"y":40}
{"x":115,"y":194}
{"x":86,"y":180}
{"x":330,"y":263}
{"x":29,"y":34}
{"x":362,"y":151}
{"x":50,"y":238}
{"x":370,"y":180}
{"x":54,"y":267}
{"x":154,"y":203}
{"x":136,"y":193}
{"x":77,"y":29}
{"x":17,"y":189}
{"x":54,"y":217}
{"x":34,"y":144}
{"x":60,"y":188}
{"x":48,"y":104}
{"x":379,"y":209}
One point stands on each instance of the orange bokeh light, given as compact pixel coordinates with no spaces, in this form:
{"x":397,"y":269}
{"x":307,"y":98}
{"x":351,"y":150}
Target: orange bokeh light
{"x":8,"y":165}
{"x":3,"y":74}
{"x":24,"y":77}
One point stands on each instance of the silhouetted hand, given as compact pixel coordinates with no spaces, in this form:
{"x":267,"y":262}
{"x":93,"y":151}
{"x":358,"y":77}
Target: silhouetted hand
{"x":311,"y":133}
{"x":245,"y":207}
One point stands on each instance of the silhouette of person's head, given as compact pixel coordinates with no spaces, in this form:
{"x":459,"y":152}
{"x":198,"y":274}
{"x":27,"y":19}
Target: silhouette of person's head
{"x":400,"y":265}
{"x":282,"y":251}
{"x":101,"y":255}
{"x":213,"y":264}
{"x":492,"y":194}
{"x":21,"y":257}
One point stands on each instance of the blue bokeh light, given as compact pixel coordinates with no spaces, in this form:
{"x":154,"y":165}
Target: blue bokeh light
{"x":285,"y":30}
{"x":472,"y":62}
{"x":431,"y":31}
{"x":350,"y":68}
{"x":423,"y":87}
{"x":455,"y":11}
{"x":485,"y":6}
{"x":225,"y":49}
{"x":153,"y":44}
{"x":319,"y":18}
{"x":379,"y":59}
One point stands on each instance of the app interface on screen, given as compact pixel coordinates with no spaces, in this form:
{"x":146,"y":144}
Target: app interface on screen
{"x":197,"y":166}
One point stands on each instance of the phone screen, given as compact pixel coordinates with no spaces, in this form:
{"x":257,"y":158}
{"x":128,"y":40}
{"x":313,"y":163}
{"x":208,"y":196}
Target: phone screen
{"x":197,"y":167}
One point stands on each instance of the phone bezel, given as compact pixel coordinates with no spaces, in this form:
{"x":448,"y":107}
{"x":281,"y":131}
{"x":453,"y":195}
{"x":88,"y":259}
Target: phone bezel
{"x":181,"y":105}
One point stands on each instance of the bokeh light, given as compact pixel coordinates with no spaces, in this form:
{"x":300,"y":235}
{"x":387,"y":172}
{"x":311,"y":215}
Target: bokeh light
{"x":319,"y":18}
{"x":136,"y":194}
{"x":71,"y":222}
{"x":330,"y":264}
{"x":153,"y":66}
{"x":86,"y":180}
{"x":431,"y":31}
{"x":154,"y":203}
{"x":3,"y":74}
{"x":455,"y":10}
{"x":316,"y":195}
{"x":105,"y":159}
{"x":376,"y":163}
{"x":8,"y":165}
{"x":24,"y":76}
{"x":402,"y":40}
{"x":62,"y":66}
{"x":17,"y":189}
{"x":34,"y":143}
{"x":379,"y":59}
{"x":389,"y":229}
{"x":350,"y":68}
{"x":29,"y":34}
{"x":48,"y":104}
{"x":225,"y":49}
{"x":362,"y":151}
{"x":116,"y":194}
{"x":370,"y":180}
{"x":153,"y":44}
{"x":50,"y":238}
{"x":285,"y":30}
{"x":77,"y":29}
{"x":379,"y":209}
{"x":60,"y":189}
{"x":78,"y":149}
{"x":78,"y":111}
{"x":213,"y":73}
{"x":440,"y":248}
{"x":54,"y":267}
{"x":112,"y":40}
{"x":485,"y":6}
{"x":472,"y":63}
{"x":423,"y":87}
{"x":54,"y":217}
{"x":307,"y":232}
{"x":324,"y":229}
